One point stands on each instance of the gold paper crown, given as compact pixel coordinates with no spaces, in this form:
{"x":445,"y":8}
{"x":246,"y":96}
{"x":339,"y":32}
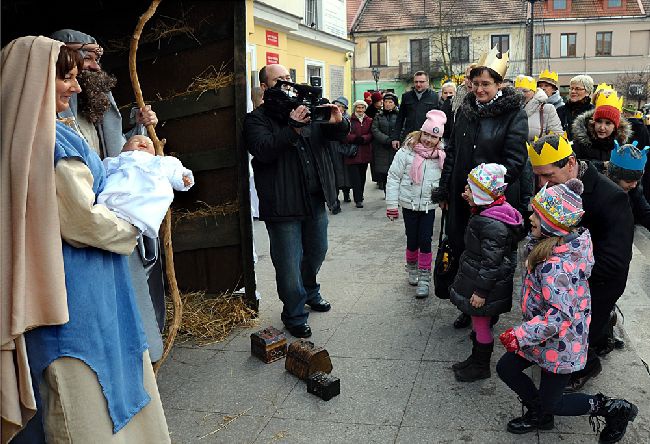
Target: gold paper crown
{"x":492,"y":61}
{"x":549,"y":155}
{"x":525,"y":82}
{"x":604,"y":87}
{"x":550,"y":75}
{"x":609,"y":97}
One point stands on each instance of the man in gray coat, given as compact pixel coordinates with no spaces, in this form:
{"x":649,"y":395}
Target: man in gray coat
{"x":98,"y":119}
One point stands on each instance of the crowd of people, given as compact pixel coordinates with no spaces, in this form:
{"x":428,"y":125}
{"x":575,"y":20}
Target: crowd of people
{"x":507,"y":162}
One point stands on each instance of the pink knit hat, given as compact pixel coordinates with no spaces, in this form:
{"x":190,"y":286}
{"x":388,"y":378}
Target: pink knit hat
{"x":435,"y":123}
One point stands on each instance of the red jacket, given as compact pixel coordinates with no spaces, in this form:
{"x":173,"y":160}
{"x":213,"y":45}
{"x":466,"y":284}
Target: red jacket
{"x":357,"y":128}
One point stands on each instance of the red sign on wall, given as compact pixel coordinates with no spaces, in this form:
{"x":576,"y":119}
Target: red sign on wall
{"x":272,"y":58}
{"x":272,"y":38}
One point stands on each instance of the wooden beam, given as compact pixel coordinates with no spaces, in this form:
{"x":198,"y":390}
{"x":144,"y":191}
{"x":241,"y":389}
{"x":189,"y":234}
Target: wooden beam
{"x":206,"y":232}
{"x":194,"y":103}
{"x":209,"y":160}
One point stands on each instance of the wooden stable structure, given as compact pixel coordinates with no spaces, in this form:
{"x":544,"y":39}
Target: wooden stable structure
{"x":183,"y":42}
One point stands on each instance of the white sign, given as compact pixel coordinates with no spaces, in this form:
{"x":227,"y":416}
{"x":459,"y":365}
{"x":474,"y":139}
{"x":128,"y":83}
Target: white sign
{"x":334,"y":20}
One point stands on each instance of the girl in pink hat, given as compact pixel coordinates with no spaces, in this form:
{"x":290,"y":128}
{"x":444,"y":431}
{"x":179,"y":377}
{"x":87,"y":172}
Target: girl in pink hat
{"x":412,"y":176}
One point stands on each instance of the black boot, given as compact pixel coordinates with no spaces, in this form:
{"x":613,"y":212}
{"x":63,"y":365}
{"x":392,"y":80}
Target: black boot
{"x":336,"y":208}
{"x":346,"y":196}
{"x":617,"y":414}
{"x":479,"y":368}
{"x":462,"y":321}
{"x":580,"y":378}
{"x":462,"y":364}
{"x":532,"y":420}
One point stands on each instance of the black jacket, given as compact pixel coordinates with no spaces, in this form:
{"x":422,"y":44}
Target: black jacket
{"x":413,"y":112}
{"x":445,"y":107}
{"x":640,"y":207}
{"x":280,"y":164}
{"x":486,"y":266}
{"x":639,"y":132}
{"x":496,"y":134}
{"x":608,"y":216}
{"x":570,"y":111}
{"x":588,"y":146}
{"x":383,"y":126}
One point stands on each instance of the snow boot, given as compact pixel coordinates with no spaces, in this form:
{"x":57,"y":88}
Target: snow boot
{"x":462,"y":364}
{"x":534,"y":419}
{"x":412,"y":269}
{"x":479,"y":368}
{"x":424,"y":279}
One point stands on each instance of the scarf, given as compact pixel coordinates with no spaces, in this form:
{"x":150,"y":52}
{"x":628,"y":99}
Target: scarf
{"x":478,"y":209}
{"x":32,"y":279}
{"x":494,"y":99}
{"x":422,"y":153}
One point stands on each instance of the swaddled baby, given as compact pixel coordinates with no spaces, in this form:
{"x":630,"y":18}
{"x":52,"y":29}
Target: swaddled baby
{"x":139,"y":185}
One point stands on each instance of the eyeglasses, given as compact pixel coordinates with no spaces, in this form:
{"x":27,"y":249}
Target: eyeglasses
{"x":576,"y":88}
{"x":483,"y":85}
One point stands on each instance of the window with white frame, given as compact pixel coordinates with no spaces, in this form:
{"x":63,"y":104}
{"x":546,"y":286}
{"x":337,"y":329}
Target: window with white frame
{"x":568,"y":45}
{"x":315,"y":68}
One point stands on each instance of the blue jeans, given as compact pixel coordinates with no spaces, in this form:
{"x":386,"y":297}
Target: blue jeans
{"x":298,"y":249}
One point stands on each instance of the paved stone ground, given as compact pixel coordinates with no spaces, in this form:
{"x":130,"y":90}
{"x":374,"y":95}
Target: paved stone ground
{"x":392,"y":353}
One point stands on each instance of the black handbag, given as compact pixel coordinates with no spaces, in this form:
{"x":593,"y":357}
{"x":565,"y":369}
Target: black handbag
{"x":348,"y":149}
{"x":446,"y":264}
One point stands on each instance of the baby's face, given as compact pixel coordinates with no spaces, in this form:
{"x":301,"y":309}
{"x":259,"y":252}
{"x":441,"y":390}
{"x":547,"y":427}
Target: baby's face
{"x":139,"y":143}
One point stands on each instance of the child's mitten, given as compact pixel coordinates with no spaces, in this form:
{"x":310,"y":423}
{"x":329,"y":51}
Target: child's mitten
{"x":509,"y":340}
{"x":392,"y":213}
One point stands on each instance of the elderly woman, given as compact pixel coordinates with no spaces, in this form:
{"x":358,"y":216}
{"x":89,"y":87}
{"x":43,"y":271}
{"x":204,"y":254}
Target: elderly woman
{"x":382,"y":150}
{"x":360,"y":125}
{"x":70,"y":309}
{"x":579,"y":102}
{"x":490,"y":127}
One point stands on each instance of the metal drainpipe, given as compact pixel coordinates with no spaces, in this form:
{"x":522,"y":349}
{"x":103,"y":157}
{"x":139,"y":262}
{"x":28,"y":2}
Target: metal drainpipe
{"x":354,"y":67}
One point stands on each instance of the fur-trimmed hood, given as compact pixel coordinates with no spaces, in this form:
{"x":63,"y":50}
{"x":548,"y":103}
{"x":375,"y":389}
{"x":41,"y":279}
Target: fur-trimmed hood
{"x":584,"y":132}
{"x":510,"y":100}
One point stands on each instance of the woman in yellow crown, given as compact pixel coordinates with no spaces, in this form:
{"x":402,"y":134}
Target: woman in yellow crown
{"x":595,"y":131}
{"x":490,"y":127}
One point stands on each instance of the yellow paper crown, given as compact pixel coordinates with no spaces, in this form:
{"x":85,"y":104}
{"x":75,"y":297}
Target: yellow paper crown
{"x":549,"y":75}
{"x":604,"y":87}
{"x":609,"y":97}
{"x":492,"y":61}
{"x":525,"y":82}
{"x":549,"y":154}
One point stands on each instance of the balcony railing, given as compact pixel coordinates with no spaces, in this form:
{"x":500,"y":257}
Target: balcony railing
{"x":433,"y":69}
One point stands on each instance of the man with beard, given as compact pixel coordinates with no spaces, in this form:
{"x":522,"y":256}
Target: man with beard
{"x":98,"y":120}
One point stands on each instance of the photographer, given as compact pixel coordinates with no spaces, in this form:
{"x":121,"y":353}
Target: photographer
{"x":294,"y":178}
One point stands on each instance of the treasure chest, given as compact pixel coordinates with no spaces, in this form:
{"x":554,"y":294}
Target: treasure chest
{"x":269,"y":344}
{"x":323,"y":385}
{"x":305,"y":359}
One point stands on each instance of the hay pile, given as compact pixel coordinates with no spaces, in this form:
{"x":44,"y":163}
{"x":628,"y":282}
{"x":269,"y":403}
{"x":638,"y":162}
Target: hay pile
{"x":205,"y":210}
{"x":207,"y":320}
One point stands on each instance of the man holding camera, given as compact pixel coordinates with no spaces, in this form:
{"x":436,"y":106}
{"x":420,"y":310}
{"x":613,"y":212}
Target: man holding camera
{"x":294,"y":178}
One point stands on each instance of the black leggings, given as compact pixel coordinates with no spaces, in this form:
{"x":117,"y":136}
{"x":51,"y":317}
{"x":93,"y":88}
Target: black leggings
{"x":551,"y":395}
{"x":358,"y":180}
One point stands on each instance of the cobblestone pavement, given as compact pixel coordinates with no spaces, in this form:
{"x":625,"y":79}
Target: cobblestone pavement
{"x":392,"y":353}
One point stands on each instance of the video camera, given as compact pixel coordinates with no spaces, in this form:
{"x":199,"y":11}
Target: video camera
{"x":286,"y":96}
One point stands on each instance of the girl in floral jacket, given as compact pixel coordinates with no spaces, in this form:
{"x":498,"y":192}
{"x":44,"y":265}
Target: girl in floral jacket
{"x":556,"y":306}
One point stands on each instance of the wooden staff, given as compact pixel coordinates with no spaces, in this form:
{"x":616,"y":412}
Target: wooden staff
{"x":167,"y":223}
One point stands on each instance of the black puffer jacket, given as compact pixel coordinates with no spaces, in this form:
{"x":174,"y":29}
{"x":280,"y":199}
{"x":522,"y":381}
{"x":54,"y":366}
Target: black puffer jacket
{"x":280,"y":164}
{"x":495,"y":134}
{"x":382,"y":151}
{"x":413,"y":112}
{"x":488,"y":263}
{"x":588,"y":146}
{"x":570,"y":111}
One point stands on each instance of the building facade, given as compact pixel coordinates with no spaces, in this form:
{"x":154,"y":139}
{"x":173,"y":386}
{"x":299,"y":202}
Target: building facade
{"x":603,"y":38}
{"x":307,"y":36}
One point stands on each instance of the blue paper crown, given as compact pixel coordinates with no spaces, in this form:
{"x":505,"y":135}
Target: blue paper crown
{"x":622,"y":156}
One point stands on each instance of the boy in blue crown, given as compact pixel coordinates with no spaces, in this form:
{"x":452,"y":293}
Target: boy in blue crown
{"x":625,"y":169}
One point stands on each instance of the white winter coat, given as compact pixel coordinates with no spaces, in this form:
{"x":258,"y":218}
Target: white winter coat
{"x":400,"y":189}
{"x":551,"y":120}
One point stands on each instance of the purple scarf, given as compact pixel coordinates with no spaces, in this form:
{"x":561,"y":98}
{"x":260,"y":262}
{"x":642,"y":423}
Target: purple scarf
{"x":422,"y":153}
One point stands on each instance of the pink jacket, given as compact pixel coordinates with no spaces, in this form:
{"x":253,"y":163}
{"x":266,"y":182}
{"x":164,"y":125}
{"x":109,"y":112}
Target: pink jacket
{"x":556,"y":306}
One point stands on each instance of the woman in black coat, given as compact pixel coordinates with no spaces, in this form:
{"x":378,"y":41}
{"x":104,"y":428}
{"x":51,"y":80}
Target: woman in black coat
{"x":593,"y":138}
{"x":578,"y":103}
{"x":382,"y":150}
{"x":490,"y":127}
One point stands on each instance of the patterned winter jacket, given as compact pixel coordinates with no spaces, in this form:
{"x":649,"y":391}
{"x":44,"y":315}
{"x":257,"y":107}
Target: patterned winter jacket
{"x":556,"y":306}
